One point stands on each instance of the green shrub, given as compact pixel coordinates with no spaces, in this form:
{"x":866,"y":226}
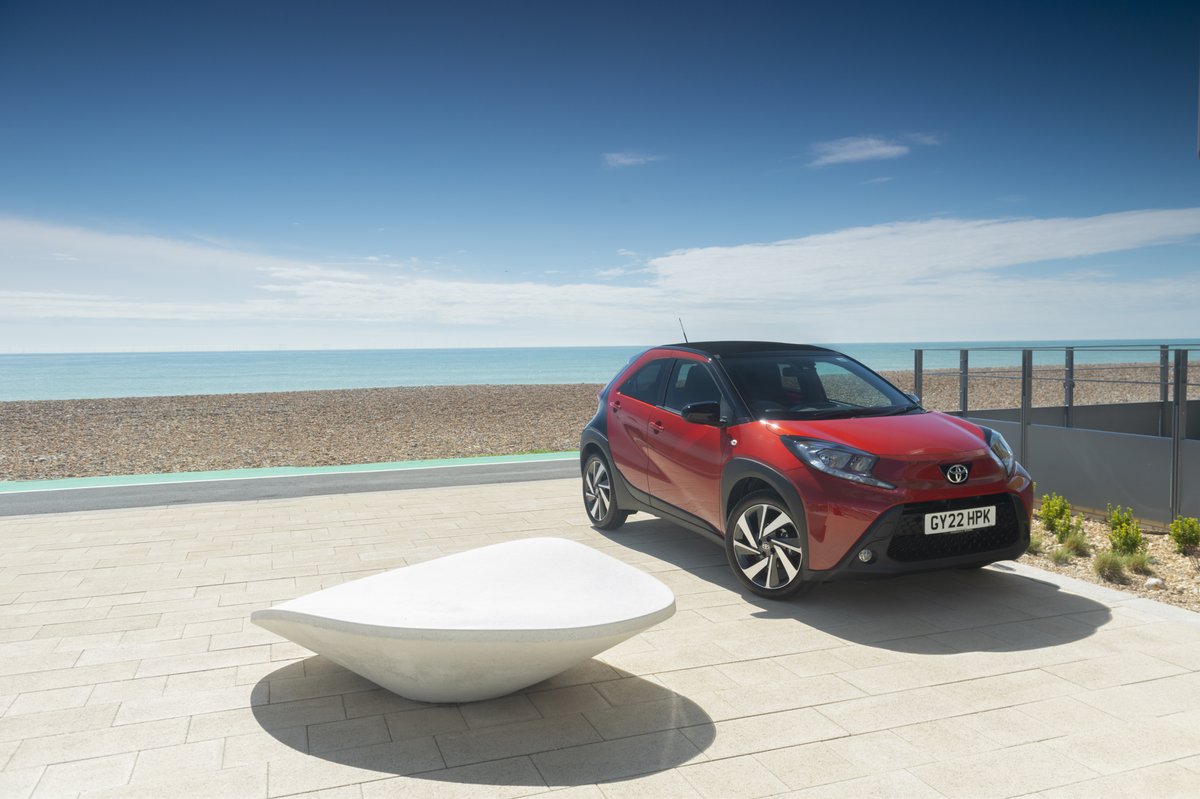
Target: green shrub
{"x":1036,"y":544}
{"x":1185,"y":533}
{"x":1124,"y":533}
{"x":1138,"y":562}
{"x":1108,"y":566}
{"x":1061,"y":555}
{"x":1055,"y":513}
{"x":1076,"y":542}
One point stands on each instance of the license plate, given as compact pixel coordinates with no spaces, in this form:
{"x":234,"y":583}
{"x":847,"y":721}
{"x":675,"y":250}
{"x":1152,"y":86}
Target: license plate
{"x":957,"y":521}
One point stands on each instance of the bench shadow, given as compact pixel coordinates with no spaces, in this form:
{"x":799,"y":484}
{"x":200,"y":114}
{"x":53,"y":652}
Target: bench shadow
{"x":592,"y":723}
{"x":935,"y":612}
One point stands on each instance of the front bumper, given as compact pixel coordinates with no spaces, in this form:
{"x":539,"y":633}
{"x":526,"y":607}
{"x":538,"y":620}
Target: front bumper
{"x":899,"y":545}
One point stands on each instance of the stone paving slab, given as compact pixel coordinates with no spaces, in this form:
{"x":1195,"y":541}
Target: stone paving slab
{"x":129,"y":667}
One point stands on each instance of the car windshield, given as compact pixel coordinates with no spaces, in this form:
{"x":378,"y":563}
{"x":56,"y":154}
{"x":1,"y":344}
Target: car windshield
{"x":807,"y":385}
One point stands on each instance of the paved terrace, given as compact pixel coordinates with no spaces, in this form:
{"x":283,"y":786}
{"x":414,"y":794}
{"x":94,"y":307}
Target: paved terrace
{"x":128,"y":667}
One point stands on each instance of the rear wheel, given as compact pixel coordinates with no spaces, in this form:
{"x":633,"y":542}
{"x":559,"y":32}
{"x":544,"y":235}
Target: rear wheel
{"x":765,"y":548}
{"x":599,"y":499}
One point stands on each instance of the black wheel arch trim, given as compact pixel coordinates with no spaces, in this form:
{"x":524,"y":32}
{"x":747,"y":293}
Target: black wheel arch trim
{"x":741,"y":469}
{"x":594,"y":440}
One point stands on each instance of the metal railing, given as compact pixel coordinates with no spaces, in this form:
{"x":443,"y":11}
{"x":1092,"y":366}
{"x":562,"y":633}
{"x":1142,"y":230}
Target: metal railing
{"x":1172,"y":383}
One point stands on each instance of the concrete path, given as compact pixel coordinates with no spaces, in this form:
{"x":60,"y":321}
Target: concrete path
{"x":128,"y":667}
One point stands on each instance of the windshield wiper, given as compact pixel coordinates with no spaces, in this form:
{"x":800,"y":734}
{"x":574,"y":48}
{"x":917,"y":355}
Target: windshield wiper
{"x":838,"y":413}
{"x":857,"y":413}
{"x":831,"y":414}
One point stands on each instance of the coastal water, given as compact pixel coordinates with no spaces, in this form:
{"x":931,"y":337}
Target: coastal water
{"x":89,"y":375}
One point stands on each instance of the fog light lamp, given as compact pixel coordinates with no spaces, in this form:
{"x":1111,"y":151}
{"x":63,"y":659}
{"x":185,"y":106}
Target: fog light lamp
{"x":866,"y":556}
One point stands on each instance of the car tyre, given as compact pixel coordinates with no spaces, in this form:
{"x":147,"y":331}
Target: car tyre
{"x":599,"y":497}
{"x":766,"y":550}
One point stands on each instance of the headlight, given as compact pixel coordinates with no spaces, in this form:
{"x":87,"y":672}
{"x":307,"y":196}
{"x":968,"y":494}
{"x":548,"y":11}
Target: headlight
{"x":836,"y":459}
{"x":1001,"y":451}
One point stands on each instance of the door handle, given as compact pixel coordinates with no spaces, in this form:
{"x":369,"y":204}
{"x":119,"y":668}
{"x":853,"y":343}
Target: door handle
{"x":616,"y":406}
{"x":656,"y":426}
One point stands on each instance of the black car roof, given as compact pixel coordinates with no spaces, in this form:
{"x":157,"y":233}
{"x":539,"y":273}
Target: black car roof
{"x":724,"y":349}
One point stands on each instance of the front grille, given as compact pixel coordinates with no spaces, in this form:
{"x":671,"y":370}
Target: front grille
{"x":910,"y":543}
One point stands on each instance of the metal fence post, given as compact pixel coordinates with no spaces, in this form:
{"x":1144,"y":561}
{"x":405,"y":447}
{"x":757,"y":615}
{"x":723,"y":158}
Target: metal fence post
{"x":1068,"y":385}
{"x":1026,"y":402}
{"x":1178,"y":430}
{"x":1164,"y":371}
{"x":918,"y":372}
{"x":962,"y":381}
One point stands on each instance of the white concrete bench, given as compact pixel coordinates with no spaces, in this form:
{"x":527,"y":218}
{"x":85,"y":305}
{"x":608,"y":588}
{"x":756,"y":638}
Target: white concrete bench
{"x":478,"y":624}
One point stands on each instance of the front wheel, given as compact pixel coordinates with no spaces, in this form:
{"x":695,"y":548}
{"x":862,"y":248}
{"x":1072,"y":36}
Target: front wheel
{"x":765,"y":548}
{"x":599,"y":499}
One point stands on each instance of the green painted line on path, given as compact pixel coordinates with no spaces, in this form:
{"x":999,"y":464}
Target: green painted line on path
{"x":14,"y":486}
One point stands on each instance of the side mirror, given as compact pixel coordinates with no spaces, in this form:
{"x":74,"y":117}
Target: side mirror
{"x":703,"y":413}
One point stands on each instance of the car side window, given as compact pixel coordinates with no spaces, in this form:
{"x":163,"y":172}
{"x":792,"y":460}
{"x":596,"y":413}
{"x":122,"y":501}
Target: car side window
{"x":645,"y":382}
{"x":691,"y":382}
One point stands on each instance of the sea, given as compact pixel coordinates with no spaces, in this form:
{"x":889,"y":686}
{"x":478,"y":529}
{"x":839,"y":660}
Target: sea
{"x":147,"y":374}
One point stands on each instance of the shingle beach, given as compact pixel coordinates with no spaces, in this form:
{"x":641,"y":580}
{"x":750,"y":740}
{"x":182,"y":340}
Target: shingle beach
{"x":144,"y":435}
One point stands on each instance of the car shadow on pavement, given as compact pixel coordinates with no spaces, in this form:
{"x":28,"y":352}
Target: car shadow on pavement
{"x":592,"y":723}
{"x":948,"y":611}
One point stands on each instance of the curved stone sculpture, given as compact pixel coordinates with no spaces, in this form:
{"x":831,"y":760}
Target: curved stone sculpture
{"x":478,"y":624}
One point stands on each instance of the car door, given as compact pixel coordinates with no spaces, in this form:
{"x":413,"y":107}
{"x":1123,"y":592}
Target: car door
{"x":629,"y":407}
{"x":686,"y":459}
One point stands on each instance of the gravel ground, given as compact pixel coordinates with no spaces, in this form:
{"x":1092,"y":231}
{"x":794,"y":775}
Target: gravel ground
{"x":146,"y":435}
{"x":1179,"y":573}
{"x":1001,"y":387}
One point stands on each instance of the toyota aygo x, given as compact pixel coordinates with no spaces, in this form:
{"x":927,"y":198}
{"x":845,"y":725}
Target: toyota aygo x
{"x":805,"y":464}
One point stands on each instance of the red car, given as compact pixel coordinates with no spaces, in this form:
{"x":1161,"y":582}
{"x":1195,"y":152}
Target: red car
{"x":804,"y":463}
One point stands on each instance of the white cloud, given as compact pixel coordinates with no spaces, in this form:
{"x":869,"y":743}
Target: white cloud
{"x":629,"y":159}
{"x":950,"y":279}
{"x":856,"y":148}
{"x":867,"y":148}
{"x":926,"y":139}
{"x":892,"y":256}
{"x":616,"y":271}
{"x":939,"y":279}
{"x":301,"y":271}
{"x":634,"y":264}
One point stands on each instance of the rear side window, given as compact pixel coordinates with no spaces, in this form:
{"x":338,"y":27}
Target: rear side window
{"x":645,"y":382}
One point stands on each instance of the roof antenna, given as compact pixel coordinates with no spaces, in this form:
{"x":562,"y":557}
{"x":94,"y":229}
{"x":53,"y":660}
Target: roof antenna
{"x":685,"y":338}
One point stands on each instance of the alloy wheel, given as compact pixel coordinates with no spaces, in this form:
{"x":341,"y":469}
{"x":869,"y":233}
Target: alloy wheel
{"x":597,"y":490}
{"x":767,"y":547}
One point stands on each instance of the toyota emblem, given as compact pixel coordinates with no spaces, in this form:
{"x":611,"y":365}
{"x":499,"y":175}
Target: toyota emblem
{"x":957,"y":473}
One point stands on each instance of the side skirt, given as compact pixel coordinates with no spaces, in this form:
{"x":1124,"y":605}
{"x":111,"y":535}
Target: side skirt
{"x":674,"y":515}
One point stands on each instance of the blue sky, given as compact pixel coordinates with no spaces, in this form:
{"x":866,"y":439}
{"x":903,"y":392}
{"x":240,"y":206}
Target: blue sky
{"x":308,"y":175}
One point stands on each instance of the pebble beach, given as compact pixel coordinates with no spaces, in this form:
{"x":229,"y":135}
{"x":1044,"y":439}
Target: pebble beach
{"x":51,"y":439}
